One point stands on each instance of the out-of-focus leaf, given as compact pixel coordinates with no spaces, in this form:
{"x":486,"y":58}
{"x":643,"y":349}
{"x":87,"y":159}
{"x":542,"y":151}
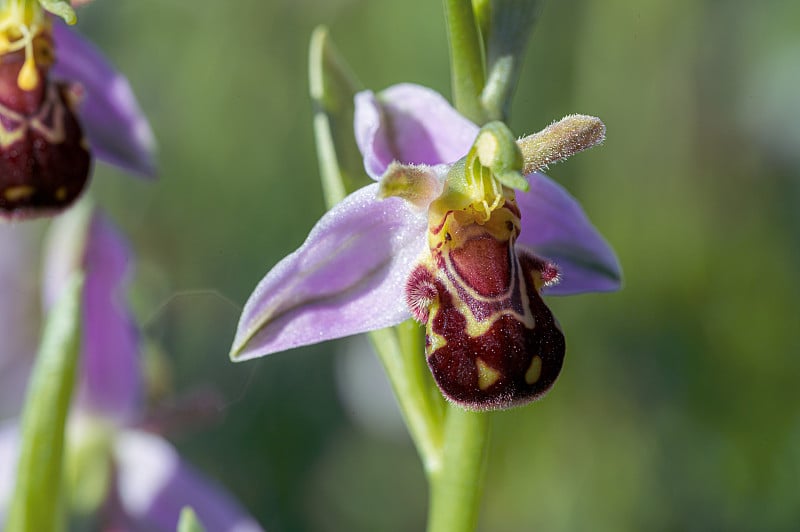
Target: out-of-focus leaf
{"x":505,"y":26}
{"x":333,"y":88}
{"x":36,"y":503}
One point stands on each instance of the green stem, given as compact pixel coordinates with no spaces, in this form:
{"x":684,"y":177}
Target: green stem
{"x":400,"y":351}
{"x":466,"y":59}
{"x":456,"y":489}
{"x":36,"y":503}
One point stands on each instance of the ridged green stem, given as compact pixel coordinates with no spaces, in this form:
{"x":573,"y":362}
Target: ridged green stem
{"x":422,"y":406}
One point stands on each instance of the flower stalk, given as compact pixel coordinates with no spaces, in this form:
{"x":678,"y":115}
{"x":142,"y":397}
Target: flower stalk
{"x":466,"y":59}
{"x":456,"y":489}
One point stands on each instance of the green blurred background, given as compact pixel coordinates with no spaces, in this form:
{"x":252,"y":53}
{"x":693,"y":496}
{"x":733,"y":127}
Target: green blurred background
{"x":678,"y":407}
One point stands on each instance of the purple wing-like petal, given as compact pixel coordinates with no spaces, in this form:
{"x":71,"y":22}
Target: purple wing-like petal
{"x":110,"y":359}
{"x":347,"y":278}
{"x":410,"y":124}
{"x":154,"y":485}
{"x":555,"y":226}
{"x":117,"y":130}
{"x":110,"y":372}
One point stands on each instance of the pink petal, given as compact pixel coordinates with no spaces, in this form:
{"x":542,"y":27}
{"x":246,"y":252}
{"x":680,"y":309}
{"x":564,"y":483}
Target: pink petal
{"x":555,"y":226}
{"x":410,"y":124}
{"x":347,"y":278}
{"x":111,"y":381}
{"x":154,"y":485}
{"x":116,"y":128}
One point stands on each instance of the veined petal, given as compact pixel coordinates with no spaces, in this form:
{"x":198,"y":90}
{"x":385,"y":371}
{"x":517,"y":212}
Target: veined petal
{"x":347,"y":278}
{"x":555,"y":226}
{"x":115,"y":125}
{"x":110,"y":373}
{"x":410,"y":124}
{"x":154,"y":485}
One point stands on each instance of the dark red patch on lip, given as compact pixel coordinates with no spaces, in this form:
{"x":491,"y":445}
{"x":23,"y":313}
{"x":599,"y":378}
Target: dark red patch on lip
{"x":508,"y":347}
{"x":44,"y":162}
{"x":484,"y":264}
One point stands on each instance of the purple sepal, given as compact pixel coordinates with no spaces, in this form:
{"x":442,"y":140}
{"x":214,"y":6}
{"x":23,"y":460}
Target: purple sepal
{"x":347,"y":278}
{"x":117,"y":130}
{"x":110,"y":360}
{"x":555,"y":226}
{"x":154,"y":484}
{"x":410,"y":124}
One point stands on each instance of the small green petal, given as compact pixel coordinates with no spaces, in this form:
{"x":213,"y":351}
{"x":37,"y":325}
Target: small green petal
{"x":497,"y":151}
{"x":418,"y":185}
{"x":60,"y":8}
{"x":513,"y":179}
{"x":189,"y":522}
{"x":36,"y":504}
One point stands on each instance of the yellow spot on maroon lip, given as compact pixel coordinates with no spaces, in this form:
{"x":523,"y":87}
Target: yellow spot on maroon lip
{"x":534,"y":370}
{"x":61,"y":193}
{"x":486,"y":374}
{"x":18,"y":193}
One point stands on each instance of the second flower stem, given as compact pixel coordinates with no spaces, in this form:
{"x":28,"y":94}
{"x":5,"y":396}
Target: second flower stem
{"x":400,"y":351}
{"x":456,"y":489}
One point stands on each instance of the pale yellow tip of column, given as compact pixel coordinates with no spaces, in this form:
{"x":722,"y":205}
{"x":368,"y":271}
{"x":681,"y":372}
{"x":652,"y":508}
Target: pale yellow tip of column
{"x":28,"y":78}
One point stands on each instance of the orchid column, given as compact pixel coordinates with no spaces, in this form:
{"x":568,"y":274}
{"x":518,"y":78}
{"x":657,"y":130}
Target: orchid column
{"x":454,"y":228}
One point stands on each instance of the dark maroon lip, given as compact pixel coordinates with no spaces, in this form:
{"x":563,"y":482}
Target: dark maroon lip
{"x":44,"y":159}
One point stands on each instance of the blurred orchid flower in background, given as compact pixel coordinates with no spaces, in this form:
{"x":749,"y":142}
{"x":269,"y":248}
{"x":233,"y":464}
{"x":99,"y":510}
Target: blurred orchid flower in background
{"x":350,"y":275}
{"x":54,"y":85}
{"x":131,"y":478}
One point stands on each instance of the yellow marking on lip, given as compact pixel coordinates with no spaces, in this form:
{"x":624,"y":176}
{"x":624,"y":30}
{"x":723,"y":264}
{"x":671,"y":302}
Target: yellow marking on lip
{"x":486,"y":374}
{"x":18,"y":193}
{"x":61,"y":193}
{"x":534,"y":370}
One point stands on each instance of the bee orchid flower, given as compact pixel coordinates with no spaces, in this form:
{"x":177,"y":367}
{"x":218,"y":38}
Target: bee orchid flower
{"x":461,"y":232}
{"x":61,"y":102}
